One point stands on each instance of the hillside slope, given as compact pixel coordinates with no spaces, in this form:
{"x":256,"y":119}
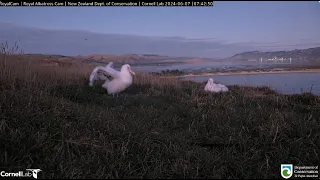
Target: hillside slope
{"x":311,"y":55}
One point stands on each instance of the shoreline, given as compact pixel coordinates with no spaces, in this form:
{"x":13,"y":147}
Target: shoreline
{"x":246,"y":73}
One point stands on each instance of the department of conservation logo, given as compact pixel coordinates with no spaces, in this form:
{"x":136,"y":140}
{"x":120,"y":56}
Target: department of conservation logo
{"x":286,"y":170}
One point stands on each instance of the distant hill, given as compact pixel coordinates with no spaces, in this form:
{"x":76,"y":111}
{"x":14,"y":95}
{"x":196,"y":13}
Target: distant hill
{"x":118,"y":60}
{"x":311,"y":55}
{"x":134,"y":59}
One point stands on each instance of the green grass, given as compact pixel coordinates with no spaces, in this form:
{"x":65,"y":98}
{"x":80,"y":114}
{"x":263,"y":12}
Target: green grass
{"x":158,"y":128}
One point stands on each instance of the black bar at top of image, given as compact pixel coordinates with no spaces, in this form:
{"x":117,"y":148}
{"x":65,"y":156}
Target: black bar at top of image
{"x":143,"y":3}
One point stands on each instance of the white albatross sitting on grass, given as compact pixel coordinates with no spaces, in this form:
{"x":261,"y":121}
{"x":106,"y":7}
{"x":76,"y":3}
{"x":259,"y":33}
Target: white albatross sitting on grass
{"x":213,"y":87}
{"x":121,"y":80}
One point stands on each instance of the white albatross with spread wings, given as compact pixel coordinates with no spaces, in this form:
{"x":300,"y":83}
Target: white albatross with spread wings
{"x":100,"y":75}
{"x":213,"y":87}
{"x":121,"y":80}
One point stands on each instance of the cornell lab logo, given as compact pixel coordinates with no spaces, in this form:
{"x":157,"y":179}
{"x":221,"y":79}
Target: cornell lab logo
{"x":31,"y":173}
{"x":286,"y":170}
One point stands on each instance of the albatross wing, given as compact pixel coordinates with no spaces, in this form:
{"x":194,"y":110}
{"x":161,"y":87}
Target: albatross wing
{"x":110,"y":65}
{"x":108,"y":70}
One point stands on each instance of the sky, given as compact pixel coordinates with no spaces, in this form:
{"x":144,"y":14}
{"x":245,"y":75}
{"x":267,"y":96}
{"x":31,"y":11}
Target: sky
{"x":272,"y":25}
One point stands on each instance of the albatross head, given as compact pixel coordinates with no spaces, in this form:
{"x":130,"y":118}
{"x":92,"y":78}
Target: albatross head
{"x":210,"y":81}
{"x":127,"y":68}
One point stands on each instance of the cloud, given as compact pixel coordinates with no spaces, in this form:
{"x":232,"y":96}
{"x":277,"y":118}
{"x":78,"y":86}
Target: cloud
{"x":278,"y":46}
{"x":74,"y":42}
{"x":213,"y":49}
{"x":200,"y":40}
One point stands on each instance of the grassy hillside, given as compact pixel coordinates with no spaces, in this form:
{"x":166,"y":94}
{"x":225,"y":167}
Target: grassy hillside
{"x":158,"y":128}
{"x":311,"y":55}
{"x":100,"y":59}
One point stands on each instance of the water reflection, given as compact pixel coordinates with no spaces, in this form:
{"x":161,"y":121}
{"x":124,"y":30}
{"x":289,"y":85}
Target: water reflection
{"x":207,"y":66}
